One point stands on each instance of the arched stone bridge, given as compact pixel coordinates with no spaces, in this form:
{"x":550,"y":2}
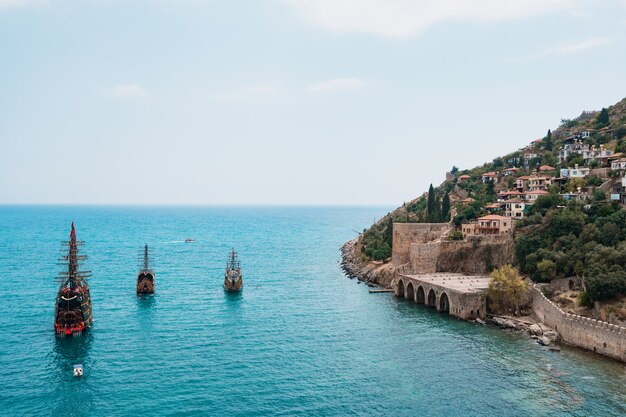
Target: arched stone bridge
{"x":457,"y":294}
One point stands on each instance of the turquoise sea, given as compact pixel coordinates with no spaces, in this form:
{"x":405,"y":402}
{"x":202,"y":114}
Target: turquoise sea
{"x":301,"y":339}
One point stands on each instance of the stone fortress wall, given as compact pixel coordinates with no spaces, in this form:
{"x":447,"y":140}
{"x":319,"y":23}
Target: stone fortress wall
{"x":423,"y":248}
{"x":405,"y":234}
{"x":595,"y":335}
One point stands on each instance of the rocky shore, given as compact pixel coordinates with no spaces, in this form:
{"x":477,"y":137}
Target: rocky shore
{"x":355,"y":265}
{"x":538,"y":331}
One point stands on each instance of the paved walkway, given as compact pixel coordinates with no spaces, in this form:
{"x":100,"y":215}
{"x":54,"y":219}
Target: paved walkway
{"x":457,"y":282}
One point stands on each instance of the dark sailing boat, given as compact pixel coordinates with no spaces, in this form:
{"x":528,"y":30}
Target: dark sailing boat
{"x":145,"y":278}
{"x":72,"y":313}
{"x":233,"y":280}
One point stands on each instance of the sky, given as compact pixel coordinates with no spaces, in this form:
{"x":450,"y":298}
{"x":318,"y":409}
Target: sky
{"x":286,"y":101}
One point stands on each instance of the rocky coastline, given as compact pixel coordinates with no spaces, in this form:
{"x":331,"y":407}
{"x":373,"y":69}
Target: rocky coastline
{"x":355,"y":265}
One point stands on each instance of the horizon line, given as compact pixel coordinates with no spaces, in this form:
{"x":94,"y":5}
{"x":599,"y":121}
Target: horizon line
{"x":195,"y":205}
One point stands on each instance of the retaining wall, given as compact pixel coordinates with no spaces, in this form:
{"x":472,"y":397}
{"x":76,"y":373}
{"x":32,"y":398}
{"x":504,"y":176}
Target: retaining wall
{"x":595,"y":335}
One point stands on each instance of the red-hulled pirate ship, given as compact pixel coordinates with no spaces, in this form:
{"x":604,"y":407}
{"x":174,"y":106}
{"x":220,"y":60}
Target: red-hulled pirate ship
{"x":233,"y":280}
{"x":145,"y":278}
{"x":72,"y":313}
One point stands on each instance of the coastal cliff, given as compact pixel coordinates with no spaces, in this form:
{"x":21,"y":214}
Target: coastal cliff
{"x":356,"y":265}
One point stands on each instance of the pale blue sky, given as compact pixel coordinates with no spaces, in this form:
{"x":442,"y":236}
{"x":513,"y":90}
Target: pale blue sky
{"x":286,"y":101}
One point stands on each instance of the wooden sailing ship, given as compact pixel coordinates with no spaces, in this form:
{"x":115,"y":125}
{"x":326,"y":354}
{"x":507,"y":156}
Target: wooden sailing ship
{"x":145,"y":277}
{"x":72,"y":313}
{"x":233,"y":279}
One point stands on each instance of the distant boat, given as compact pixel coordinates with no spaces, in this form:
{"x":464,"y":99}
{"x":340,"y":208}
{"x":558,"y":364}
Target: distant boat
{"x":233,"y":279}
{"x":145,"y":277}
{"x":188,"y":240}
{"x":72,"y":312}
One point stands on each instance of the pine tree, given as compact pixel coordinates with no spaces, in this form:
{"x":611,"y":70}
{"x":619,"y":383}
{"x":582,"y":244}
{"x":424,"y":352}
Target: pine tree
{"x":603,"y":117}
{"x":431,"y":205}
{"x":445,"y":208}
{"x":491,"y":193}
{"x":548,"y":141}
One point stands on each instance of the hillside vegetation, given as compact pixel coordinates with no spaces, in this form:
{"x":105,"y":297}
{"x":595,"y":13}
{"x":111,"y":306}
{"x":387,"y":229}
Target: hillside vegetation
{"x":572,"y":229}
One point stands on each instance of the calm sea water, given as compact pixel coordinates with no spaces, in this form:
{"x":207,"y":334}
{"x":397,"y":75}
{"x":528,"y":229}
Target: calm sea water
{"x":301,"y":339}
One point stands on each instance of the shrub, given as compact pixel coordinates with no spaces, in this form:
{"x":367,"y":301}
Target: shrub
{"x":546,"y":270}
{"x":506,"y":289}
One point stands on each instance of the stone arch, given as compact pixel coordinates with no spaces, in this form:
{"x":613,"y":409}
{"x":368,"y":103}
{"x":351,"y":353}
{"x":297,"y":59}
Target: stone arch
{"x":400,"y":289}
{"x":420,"y":297}
{"x":432,"y":298}
{"x":410,"y":292}
{"x":444,"y":303}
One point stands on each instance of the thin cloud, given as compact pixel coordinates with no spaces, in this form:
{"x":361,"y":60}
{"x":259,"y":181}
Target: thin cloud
{"x":337,"y":84}
{"x":573,"y":48}
{"x":262,"y":92}
{"x":8,"y":4}
{"x":128,"y":91}
{"x":408,"y":18}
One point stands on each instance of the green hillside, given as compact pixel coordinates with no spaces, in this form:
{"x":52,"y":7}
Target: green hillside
{"x":575,"y":225}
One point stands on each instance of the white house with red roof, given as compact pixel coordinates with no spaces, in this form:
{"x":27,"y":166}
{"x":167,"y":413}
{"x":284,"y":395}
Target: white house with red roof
{"x":490,"y":176}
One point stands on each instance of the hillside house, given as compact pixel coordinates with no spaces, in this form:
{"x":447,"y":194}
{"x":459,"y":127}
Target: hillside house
{"x":619,"y":191}
{"x":515,"y":208}
{"x":510,"y":171}
{"x":528,"y":155}
{"x":576,"y":172}
{"x":521,"y":184}
{"x":490,"y":176}
{"x":532,"y":196}
{"x":493,"y":224}
{"x":464,"y":178}
{"x":539,"y":183}
{"x":571,"y":148}
{"x":493,"y":207}
{"x":507,"y":195}
{"x":577,"y":197}
{"x":618,"y":164}
{"x":546,"y":168}
{"x":600,"y":155}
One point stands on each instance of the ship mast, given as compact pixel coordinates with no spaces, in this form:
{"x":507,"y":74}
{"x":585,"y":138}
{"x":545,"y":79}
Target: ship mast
{"x":73,"y":278}
{"x":145,"y":258}
{"x":232,"y":263}
{"x":73,"y":260}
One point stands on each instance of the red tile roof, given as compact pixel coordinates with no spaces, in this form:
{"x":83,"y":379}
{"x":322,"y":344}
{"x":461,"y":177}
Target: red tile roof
{"x":493,"y":217}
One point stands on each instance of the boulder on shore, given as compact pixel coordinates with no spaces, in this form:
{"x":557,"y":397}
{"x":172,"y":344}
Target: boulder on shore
{"x":551,"y":335}
{"x":504,"y":323}
{"x":535,"y":330}
{"x":543,"y":340}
